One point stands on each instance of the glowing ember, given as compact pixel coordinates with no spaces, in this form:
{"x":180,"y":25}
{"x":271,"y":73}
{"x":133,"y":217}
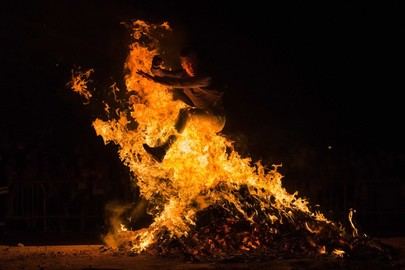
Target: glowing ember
{"x":206,"y":199}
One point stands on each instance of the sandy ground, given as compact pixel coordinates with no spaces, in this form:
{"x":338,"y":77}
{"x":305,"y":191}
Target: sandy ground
{"x":86,"y":257}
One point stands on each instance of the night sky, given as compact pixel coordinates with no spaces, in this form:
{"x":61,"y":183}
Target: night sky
{"x":309,"y":85}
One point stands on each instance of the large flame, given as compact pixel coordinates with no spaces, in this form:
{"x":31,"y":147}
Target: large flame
{"x":197,"y":164}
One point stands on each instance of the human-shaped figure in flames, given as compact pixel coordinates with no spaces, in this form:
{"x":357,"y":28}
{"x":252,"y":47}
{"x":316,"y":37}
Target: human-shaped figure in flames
{"x":205,"y":103}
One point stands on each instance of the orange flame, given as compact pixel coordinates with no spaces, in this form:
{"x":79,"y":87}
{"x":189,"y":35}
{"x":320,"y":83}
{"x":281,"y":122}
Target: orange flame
{"x":196,"y":163}
{"x":79,"y":83}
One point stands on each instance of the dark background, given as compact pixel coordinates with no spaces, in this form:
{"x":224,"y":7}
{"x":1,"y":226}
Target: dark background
{"x":312,"y":86}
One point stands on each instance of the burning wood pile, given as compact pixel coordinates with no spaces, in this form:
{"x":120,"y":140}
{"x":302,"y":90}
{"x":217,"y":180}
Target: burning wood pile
{"x":196,"y":212}
{"x":223,"y":233}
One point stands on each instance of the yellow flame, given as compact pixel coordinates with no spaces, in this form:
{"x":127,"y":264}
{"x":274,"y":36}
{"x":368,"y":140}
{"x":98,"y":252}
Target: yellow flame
{"x":196,"y":163}
{"x":123,"y":228}
{"x":338,"y":253}
{"x":355,"y":231}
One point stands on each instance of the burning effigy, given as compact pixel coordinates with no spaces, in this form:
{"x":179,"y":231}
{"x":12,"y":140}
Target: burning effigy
{"x":207,"y":201}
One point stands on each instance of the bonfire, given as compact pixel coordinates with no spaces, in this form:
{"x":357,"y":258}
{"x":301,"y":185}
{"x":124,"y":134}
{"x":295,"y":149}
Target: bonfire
{"x":207,"y":202}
